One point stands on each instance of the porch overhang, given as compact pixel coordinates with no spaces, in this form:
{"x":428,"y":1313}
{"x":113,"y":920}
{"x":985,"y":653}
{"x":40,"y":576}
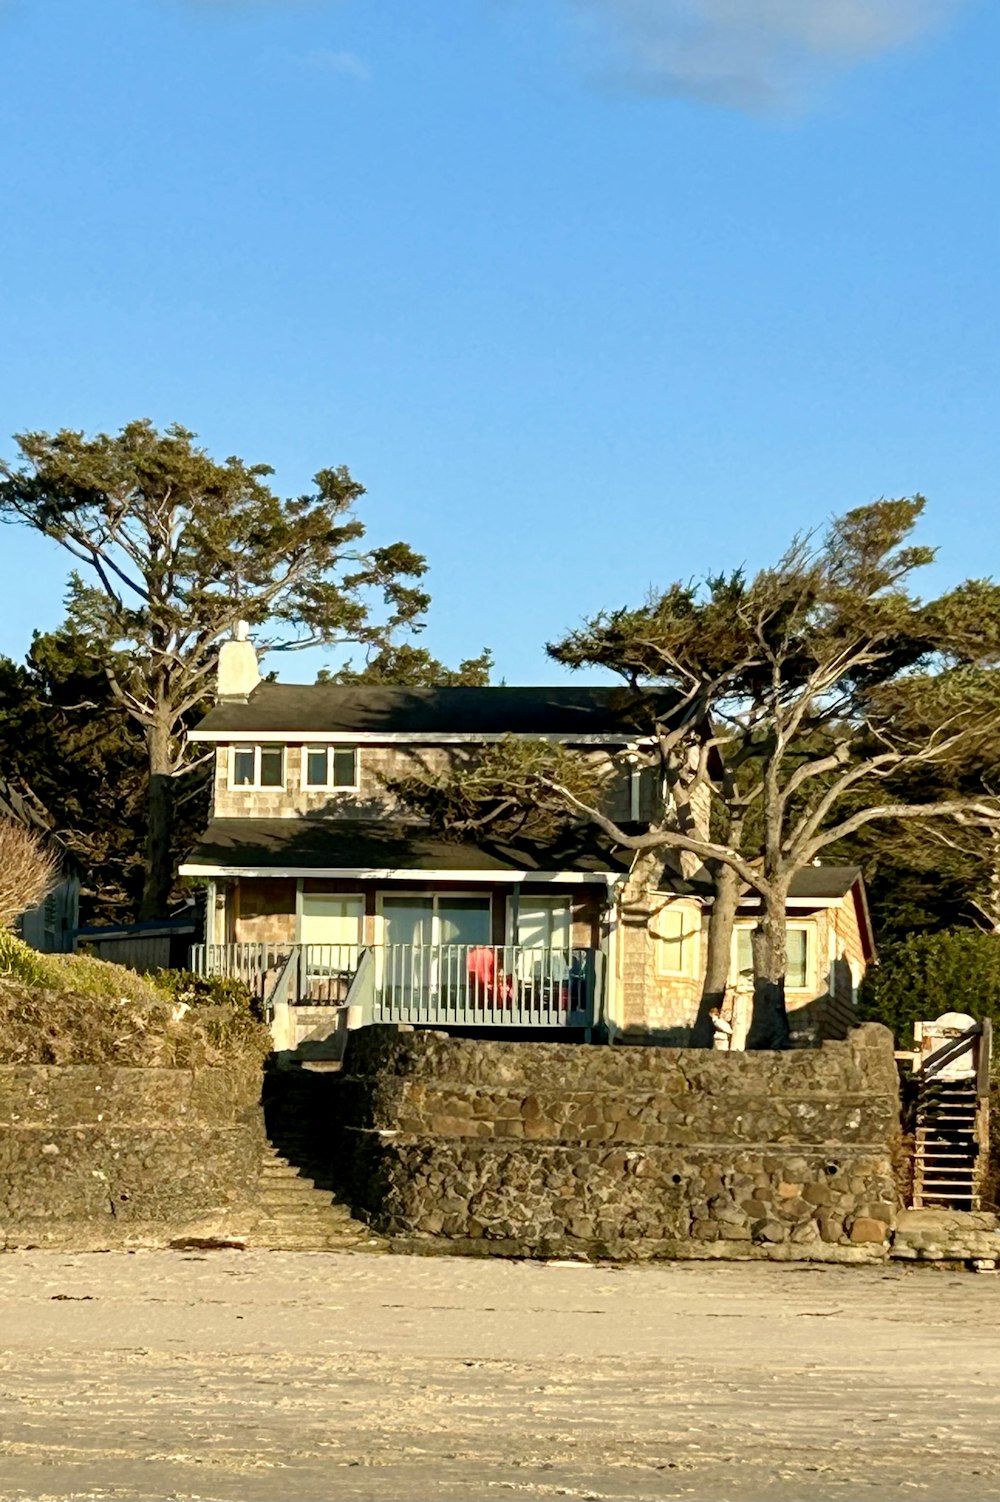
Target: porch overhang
{"x":356,"y":850}
{"x":374,"y":873}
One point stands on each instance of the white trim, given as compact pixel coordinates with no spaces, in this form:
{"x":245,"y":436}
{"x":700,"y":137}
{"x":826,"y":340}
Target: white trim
{"x":809,"y":929}
{"x":329,"y":786}
{"x":404,"y":738}
{"x":257,"y":746}
{"x":797,"y":902}
{"x":386,"y":873}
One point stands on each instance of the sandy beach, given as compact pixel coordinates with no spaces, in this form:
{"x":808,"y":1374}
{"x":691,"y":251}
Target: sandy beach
{"x":253,"y":1375}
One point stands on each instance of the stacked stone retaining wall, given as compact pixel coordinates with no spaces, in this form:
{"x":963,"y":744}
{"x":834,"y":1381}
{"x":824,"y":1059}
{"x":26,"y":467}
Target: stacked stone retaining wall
{"x":552,"y":1149}
{"x":95,"y":1156}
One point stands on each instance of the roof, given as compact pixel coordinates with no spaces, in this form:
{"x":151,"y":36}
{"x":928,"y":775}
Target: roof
{"x":823,"y":882}
{"x":318,"y":708}
{"x":817,"y":883}
{"x":354,"y":845}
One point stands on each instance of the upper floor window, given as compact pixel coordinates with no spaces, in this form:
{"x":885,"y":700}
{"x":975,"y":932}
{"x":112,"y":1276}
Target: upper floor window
{"x":797,"y":956}
{"x":331,"y":767}
{"x":257,"y":767}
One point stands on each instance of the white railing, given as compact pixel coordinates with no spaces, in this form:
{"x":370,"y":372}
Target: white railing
{"x":458,"y":985}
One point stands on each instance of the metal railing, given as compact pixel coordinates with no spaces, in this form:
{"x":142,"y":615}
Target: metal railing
{"x":461,"y":985}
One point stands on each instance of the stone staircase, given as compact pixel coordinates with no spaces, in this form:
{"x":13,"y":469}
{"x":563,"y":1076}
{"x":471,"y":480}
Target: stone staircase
{"x":297,"y":1215}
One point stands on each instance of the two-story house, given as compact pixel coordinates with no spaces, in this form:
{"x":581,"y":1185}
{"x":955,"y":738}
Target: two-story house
{"x":322,"y":889}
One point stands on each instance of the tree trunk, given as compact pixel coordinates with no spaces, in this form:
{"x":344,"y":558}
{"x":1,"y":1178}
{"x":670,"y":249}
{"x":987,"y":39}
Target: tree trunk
{"x":769,"y":1024}
{"x":719,"y":956}
{"x":159,"y":870}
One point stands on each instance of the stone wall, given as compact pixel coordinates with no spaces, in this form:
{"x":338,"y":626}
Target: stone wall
{"x":553,"y":1149}
{"x":97,"y":1156}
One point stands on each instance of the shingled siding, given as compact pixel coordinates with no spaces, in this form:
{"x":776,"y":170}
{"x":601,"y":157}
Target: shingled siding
{"x":534,"y":1149}
{"x":371,"y":799}
{"x":95,"y":1157}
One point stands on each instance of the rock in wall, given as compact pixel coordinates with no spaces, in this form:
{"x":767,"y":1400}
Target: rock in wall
{"x":551,"y":1149}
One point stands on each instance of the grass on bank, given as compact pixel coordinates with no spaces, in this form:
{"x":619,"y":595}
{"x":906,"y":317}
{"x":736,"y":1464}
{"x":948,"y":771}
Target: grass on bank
{"x":75,"y":1009}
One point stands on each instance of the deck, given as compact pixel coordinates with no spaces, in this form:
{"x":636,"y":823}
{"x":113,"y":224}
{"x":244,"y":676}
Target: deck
{"x":432,"y":985}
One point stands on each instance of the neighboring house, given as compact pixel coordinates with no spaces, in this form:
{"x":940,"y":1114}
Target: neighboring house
{"x":322,"y":888}
{"x":665,"y":928}
{"x":152,"y":944}
{"x":51,"y":926}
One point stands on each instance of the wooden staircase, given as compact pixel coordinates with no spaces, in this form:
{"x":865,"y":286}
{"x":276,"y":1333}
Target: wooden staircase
{"x":946,"y":1154}
{"x":951,"y":1145}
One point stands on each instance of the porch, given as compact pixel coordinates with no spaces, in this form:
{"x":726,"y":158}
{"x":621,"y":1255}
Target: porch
{"x":508,"y":986}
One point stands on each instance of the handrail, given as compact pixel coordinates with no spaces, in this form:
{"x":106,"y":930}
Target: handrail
{"x":985,"y":1055}
{"x":952,"y":1049}
{"x":279,"y":991}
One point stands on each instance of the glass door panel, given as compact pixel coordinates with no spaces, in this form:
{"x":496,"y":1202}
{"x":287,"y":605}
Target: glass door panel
{"x":330,"y":926}
{"x":408,"y":920}
{"x":463,"y":920}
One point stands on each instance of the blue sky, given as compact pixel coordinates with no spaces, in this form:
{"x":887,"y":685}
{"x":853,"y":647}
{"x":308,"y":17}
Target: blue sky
{"x":590,"y":294}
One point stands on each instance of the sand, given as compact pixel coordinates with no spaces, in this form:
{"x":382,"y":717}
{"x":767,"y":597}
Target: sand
{"x":255,"y":1375}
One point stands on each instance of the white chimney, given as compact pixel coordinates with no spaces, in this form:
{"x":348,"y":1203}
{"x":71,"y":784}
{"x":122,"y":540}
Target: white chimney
{"x":238,"y":673}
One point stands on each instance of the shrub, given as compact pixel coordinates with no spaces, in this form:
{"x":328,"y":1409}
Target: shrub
{"x":207,"y":990}
{"x":957,"y":970}
{"x":73,"y":1009}
{"x":28,"y":870}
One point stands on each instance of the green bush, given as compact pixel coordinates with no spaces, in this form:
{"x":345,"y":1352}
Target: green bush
{"x":207,"y":990}
{"x":82,"y":974}
{"x":957,"y":970}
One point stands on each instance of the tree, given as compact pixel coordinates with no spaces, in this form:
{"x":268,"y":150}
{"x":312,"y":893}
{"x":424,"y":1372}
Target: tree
{"x":826,"y":677}
{"x":922,"y":976}
{"x":182,"y":547}
{"x":795,"y":696}
{"x":413,"y":667}
{"x":69,"y":749}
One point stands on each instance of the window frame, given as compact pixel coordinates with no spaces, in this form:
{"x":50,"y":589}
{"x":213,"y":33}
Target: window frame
{"x":329,"y":786}
{"x":552,"y":901}
{"x":689,"y":942}
{"x":793,"y":925}
{"x":432,"y":896}
{"x":257,"y":786}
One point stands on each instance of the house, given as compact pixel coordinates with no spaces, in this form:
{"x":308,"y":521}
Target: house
{"x":51,"y":926}
{"x":324,"y":891}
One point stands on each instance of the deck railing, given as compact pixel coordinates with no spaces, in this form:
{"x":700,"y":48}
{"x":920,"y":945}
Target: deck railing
{"x":461,"y":985}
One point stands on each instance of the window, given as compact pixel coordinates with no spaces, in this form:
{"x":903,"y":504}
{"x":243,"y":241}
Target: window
{"x":258,"y":767}
{"x":544,"y":923}
{"x":331,"y":767}
{"x":677,"y":932}
{"x":796,"y":962}
{"x":436,"y":920}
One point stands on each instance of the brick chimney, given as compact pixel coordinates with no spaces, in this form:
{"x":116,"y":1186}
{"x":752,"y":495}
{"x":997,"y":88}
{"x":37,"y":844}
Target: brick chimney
{"x":238,"y":673}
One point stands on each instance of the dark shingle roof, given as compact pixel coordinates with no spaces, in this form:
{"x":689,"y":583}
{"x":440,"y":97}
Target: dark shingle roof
{"x":318,"y":707}
{"x":824,"y":881}
{"x":348,"y":845}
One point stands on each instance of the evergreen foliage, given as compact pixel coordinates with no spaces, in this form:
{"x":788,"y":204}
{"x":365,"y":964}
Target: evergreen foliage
{"x":922,"y":976}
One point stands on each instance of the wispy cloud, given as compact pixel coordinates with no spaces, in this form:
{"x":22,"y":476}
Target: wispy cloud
{"x":753,"y":55}
{"x":326,"y":60}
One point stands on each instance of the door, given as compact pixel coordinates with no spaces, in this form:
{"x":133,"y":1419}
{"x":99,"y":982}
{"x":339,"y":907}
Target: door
{"x":331,"y":929}
{"x":427,"y":943}
{"x":544,"y":956}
